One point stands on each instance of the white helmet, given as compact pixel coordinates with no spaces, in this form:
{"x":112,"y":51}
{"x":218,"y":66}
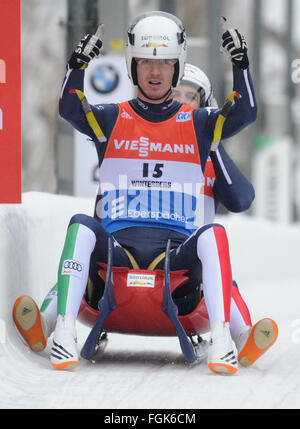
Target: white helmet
{"x":157,"y":35}
{"x":193,"y":75}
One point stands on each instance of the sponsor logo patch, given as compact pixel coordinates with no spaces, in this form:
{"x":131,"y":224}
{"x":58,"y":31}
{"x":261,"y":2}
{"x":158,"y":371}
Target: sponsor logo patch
{"x":154,"y":45}
{"x":72,"y":268}
{"x":140,"y":280}
{"x":183,"y":117}
{"x":143,"y":147}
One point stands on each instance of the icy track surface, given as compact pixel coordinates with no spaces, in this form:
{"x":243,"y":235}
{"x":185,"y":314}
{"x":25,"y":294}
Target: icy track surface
{"x":147,"y":372}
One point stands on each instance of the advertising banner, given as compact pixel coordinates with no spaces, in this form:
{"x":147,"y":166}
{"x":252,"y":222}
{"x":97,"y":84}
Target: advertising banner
{"x":10,"y":102}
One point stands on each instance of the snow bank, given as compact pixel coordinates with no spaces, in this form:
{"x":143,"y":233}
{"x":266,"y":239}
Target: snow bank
{"x":31,"y":240}
{"x":263,"y":251}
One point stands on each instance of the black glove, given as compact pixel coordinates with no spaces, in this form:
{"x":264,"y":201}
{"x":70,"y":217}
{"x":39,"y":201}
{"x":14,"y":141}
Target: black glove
{"x":235,"y":46}
{"x":87,"y":49}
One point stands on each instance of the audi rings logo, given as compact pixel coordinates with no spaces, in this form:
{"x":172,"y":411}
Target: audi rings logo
{"x":71,"y":267}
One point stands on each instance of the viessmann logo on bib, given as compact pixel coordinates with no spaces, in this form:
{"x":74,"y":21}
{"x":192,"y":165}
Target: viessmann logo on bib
{"x":143,"y":147}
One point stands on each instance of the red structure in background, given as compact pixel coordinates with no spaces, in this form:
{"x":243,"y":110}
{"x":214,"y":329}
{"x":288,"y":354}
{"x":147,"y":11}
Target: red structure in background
{"x":10,"y":102}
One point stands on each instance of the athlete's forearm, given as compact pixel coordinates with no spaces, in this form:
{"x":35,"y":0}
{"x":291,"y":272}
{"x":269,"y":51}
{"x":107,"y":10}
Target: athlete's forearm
{"x":244,"y":110}
{"x":69,"y":104}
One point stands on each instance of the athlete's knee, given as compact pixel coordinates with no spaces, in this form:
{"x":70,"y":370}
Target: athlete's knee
{"x":88,"y":221}
{"x":211,"y":226}
{"x":209,"y":238}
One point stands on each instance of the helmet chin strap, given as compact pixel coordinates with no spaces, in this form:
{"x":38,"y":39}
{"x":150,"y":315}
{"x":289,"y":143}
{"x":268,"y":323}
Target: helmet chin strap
{"x":165,"y":96}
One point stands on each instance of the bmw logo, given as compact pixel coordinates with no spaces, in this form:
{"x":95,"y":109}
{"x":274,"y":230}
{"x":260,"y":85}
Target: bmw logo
{"x":105,"y":79}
